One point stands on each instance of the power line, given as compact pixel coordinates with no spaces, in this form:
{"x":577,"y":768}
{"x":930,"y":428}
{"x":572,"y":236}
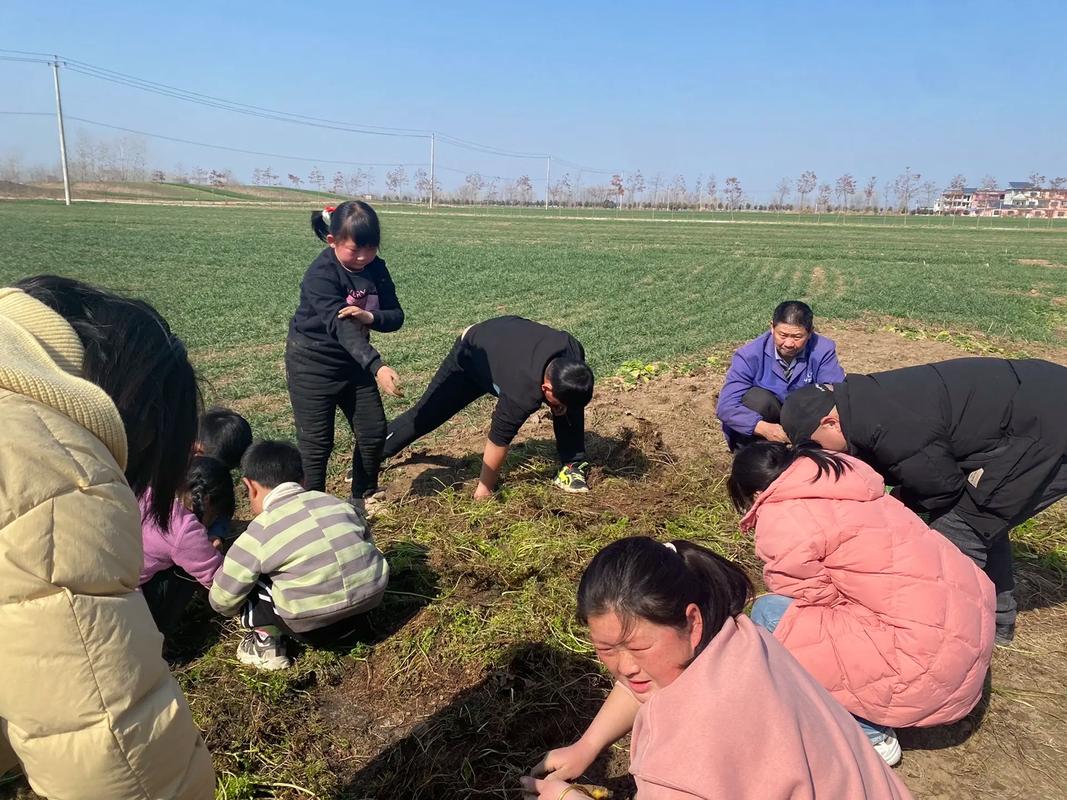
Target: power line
{"x":218,"y":146}
{"x":210,"y":101}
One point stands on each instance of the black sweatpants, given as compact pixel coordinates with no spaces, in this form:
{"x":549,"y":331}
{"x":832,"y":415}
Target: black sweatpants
{"x":168,"y":593}
{"x":259,"y":612}
{"x":450,"y":392}
{"x":318,"y":386}
{"x":763,"y":402}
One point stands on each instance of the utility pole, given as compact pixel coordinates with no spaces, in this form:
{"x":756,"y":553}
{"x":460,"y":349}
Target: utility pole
{"x":548,"y":178}
{"x":62,"y":137}
{"x":433,"y":174}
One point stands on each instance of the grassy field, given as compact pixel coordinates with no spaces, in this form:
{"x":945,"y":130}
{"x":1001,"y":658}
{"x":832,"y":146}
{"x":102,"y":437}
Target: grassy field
{"x":474,"y":664}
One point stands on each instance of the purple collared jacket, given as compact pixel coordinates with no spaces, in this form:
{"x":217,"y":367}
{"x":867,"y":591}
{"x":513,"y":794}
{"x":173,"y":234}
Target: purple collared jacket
{"x":756,"y":364}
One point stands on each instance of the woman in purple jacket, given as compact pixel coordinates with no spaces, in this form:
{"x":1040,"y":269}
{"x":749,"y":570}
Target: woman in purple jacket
{"x":767,"y":369}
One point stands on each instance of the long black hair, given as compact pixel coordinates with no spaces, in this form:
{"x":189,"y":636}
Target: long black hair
{"x":640,"y":578}
{"x":208,"y":481}
{"x":352,"y":221}
{"x":756,"y":466}
{"x":131,"y":353}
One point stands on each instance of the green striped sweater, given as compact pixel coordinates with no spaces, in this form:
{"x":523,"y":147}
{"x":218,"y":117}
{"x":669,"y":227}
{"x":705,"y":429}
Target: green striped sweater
{"x":317,"y":552}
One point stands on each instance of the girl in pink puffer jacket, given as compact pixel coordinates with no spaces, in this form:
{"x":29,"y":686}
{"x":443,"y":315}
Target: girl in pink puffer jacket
{"x":888,"y":615}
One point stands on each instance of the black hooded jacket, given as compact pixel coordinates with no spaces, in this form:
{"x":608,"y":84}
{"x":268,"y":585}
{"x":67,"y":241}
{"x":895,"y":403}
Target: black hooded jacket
{"x":978,"y":434}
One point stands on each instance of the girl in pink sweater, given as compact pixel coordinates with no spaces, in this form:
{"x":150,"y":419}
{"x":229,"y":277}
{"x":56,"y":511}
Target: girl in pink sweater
{"x":717,"y":707}
{"x":885,"y":613}
{"x":178,"y":559}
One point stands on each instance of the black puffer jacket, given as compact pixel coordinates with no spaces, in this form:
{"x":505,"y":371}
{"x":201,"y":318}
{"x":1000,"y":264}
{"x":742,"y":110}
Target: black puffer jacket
{"x":978,"y":434}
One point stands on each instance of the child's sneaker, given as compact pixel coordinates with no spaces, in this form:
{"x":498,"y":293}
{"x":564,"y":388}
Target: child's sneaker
{"x":889,"y":748}
{"x":263,"y":651}
{"x":572,"y":478}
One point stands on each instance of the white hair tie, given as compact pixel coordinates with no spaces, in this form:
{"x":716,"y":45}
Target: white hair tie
{"x":326,"y":214}
{"x":670,"y":546}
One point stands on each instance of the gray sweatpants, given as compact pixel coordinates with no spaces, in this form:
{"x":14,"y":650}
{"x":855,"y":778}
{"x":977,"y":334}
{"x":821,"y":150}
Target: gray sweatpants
{"x":994,"y":555}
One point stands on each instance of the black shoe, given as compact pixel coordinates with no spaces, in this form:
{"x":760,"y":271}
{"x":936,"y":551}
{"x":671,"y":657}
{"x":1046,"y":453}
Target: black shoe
{"x":1005,"y":633}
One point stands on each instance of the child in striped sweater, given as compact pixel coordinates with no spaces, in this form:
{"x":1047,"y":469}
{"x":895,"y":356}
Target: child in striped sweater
{"x":305,"y":567}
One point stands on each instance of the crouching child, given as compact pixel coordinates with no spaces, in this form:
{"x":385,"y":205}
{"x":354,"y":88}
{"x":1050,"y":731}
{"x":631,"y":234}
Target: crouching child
{"x":305,"y":567}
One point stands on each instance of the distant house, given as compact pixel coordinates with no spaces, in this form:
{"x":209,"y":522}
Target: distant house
{"x":1020,"y":199}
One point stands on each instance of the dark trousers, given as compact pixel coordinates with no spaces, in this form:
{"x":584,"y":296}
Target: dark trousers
{"x":317,"y":388}
{"x":168,"y":594}
{"x":259,"y":612}
{"x":450,"y":391}
{"x":764,"y":403}
{"x":993,"y":555}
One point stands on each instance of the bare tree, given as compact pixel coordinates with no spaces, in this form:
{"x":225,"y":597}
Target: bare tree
{"x":422,"y":183}
{"x":472,"y":187}
{"x":295,"y":180}
{"x":990,"y":182}
{"x":711,"y":187}
{"x":905,"y":187}
{"x":396,"y":179}
{"x":844,"y":188}
{"x":785,"y":186}
{"x":677,"y":189}
{"x":1037,"y":179}
{"x":270,"y":178}
{"x":158,"y":176}
{"x":805,"y":186}
{"x":696,"y":190}
{"x":618,"y":189}
{"x":734,"y":193}
{"x":657,"y":181}
{"x":929,"y":191}
{"x":822,"y":200}
{"x":1057,"y":183}
{"x":635,"y":184}
{"x":315,"y":179}
{"x":524,"y":187}
{"x":561,"y":189}
{"x":870,"y":190}
{"x":338,"y":184}
{"x":957,"y":184}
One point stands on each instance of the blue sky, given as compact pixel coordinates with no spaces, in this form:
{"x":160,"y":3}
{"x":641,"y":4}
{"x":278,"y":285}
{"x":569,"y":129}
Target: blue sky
{"x":759,"y":90}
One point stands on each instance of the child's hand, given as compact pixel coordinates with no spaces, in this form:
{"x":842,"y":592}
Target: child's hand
{"x":564,"y":763}
{"x":356,"y":313}
{"x":216,"y":543}
{"x":389,"y":381}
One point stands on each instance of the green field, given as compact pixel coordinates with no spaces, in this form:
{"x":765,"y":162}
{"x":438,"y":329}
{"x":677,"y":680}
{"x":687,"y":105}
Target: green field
{"x":474,"y":663}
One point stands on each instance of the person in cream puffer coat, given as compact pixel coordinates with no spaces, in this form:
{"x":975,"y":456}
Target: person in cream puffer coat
{"x":88,"y":707}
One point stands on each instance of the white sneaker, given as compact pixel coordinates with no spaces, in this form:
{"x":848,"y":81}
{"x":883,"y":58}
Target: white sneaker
{"x":263,"y":654}
{"x":889,"y":748}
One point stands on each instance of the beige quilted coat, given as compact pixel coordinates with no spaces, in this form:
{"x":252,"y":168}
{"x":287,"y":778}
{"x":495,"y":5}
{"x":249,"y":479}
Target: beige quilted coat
{"x":87,"y":704}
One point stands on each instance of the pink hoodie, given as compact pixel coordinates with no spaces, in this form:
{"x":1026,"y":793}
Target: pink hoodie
{"x":746,"y":722}
{"x":889,"y":616}
{"x":186,"y":545}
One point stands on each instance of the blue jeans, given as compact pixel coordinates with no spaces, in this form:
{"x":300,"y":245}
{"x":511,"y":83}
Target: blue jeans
{"x":767,"y":612}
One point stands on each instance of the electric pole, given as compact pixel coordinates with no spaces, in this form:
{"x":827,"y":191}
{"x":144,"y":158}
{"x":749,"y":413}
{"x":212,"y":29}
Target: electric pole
{"x":433,"y":175}
{"x":548,"y":178}
{"x":62,"y":137}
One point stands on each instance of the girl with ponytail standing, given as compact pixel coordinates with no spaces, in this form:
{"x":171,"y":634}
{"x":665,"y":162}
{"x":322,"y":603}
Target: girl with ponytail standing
{"x":884,"y":612}
{"x":717,"y":707}
{"x":330,"y":363}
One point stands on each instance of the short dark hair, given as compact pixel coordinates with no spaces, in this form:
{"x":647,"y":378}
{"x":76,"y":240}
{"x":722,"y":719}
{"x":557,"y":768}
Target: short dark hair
{"x":209,"y":479}
{"x":756,"y":466}
{"x":131,"y":353}
{"x":225,"y":435}
{"x":572,"y":381}
{"x":794,"y":312}
{"x":640,"y":578}
{"x":352,"y":221}
{"x":271,"y":463}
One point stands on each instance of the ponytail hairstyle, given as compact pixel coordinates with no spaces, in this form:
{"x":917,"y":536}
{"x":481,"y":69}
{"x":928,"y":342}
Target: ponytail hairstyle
{"x":640,"y":578}
{"x":352,"y":221}
{"x":208,"y":480}
{"x":758,"y":465}
{"x":132,"y":354}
